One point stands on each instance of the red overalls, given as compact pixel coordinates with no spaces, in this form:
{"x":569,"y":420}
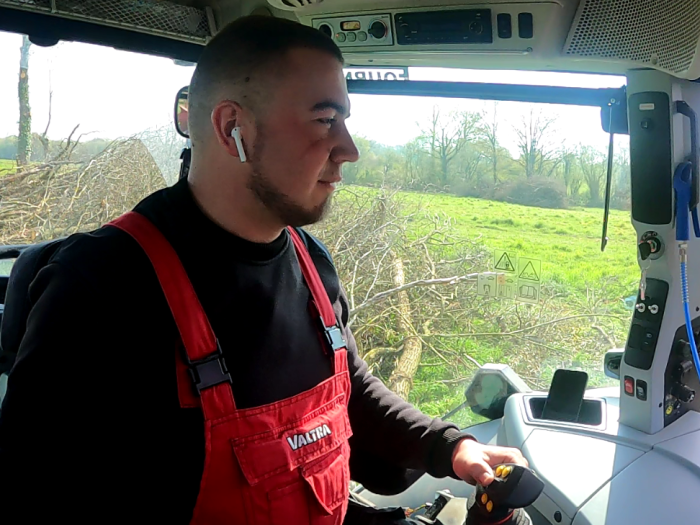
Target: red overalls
{"x":281,"y":463}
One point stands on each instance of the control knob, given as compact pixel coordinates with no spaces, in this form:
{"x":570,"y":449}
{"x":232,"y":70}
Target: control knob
{"x":377,"y":29}
{"x":683,"y":393}
{"x":326,"y":30}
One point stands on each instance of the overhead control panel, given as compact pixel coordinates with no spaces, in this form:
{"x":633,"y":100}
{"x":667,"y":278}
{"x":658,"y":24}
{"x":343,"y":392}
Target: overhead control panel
{"x":358,"y":31}
{"x":488,"y":29}
{"x":464,"y":26}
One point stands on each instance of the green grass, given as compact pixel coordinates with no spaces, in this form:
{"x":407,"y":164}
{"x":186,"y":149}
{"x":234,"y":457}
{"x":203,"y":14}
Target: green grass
{"x":566,"y":241}
{"x":6,"y":167}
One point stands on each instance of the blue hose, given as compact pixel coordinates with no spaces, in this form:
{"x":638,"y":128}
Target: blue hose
{"x":683,"y":184}
{"x":688,"y":321}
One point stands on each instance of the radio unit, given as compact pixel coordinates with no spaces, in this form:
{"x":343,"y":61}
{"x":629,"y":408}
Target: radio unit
{"x":464,"y":26}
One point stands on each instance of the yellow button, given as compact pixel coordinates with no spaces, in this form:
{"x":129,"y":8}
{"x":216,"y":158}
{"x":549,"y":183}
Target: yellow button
{"x":506,"y":471}
{"x":484,"y":499}
{"x":489,"y":506}
{"x":499,"y":469}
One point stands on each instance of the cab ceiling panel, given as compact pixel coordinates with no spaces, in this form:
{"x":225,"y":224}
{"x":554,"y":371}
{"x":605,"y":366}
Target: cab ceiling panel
{"x":178,"y":30}
{"x":604,"y":36}
{"x":156,"y":17}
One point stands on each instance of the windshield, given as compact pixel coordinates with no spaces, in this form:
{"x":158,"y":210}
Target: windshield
{"x":467,"y":233}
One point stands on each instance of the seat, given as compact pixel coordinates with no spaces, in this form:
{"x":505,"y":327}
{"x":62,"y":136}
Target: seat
{"x":16,"y":306}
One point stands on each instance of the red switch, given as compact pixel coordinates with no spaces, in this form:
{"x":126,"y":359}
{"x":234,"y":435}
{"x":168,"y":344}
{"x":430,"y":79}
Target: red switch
{"x":629,"y":385}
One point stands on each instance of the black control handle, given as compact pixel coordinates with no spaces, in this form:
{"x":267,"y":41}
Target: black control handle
{"x":514,"y":487}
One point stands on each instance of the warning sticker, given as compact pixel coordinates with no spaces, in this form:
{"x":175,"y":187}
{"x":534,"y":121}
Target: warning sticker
{"x":486,"y":284}
{"x":529,"y":269}
{"x":507,"y":283}
{"x":504,"y":261}
{"x":528,"y":291}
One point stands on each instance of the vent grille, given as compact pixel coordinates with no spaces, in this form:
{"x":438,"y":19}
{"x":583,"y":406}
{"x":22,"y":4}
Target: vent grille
{"x":292,"y":5}
{"x":39,"y":5}
{"x":662,"y":33}
{"x":151,"y":16}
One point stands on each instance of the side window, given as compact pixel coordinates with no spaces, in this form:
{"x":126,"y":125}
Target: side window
{"x":6,"y":267}
{"x":469,"y":233}
{"x":77,"y":149}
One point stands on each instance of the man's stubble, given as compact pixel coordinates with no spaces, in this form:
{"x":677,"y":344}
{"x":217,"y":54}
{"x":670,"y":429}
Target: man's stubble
{"x":278,"y":203}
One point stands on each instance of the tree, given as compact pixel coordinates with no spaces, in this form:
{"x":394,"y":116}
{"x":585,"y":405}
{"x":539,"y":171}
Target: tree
{"x":491,"y":136}
{"x":446,"y":137}
{"x":412,"y":155}
{"x":24,"y":144}
{"x":593,"y":167}
{"x":536,"y":154}
{"x":570,"y":172}
{"x":621,"y":190}
{"x":43,"y":138}
{"x":469,"y":161}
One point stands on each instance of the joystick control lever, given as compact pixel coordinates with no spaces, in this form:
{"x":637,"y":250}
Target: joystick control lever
{"x":514,"y":487}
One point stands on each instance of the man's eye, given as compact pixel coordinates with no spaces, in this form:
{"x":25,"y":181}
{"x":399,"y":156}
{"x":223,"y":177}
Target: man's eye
{"x":327,"y":121}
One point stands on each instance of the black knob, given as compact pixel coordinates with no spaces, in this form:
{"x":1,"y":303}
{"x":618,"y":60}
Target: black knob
{"x":682,"y":392}
{"x":326,"y":30}
{"x":644,"y":250}
{"x":685,"y":366}
{"x":377,"y":29}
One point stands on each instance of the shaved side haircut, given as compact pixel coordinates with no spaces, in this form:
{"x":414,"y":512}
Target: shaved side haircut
{"x":241,"y":61}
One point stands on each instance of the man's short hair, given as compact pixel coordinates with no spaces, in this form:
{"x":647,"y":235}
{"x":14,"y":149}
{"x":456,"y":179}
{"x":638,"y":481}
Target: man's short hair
{"x":238,"y":55}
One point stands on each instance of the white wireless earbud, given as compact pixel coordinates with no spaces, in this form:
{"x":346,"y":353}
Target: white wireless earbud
{"x":236,"y":135}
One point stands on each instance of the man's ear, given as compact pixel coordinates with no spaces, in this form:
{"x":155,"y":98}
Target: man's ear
{"x":225,"y":117}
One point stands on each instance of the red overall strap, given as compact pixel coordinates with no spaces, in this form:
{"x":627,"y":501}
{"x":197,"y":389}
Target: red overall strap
{"x":318,"y":293}
{"x":197,"y":335}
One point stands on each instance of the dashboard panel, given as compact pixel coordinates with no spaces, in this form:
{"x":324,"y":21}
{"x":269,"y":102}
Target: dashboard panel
{"x":596,"y":474}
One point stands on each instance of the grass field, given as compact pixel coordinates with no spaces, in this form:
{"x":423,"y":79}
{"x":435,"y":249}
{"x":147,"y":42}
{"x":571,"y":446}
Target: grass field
{"x":566,"y":241}
{"x":6,"y":166}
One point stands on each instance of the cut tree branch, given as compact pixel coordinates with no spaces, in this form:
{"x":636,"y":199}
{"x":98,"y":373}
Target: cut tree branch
{"x":526,"y":329}
{"x":605,"y":335}
{"x":423,"y":282}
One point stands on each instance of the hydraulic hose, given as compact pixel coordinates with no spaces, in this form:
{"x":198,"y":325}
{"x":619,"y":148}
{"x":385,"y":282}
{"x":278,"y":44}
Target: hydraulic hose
{"x":683,"y":183}
{"x":686,"y":308}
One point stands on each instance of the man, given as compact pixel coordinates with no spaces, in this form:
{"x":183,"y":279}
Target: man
{"x":101,"y":421}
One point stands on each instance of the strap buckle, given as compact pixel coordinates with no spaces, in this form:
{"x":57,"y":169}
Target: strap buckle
{"x":209,"y":371}
{"x":333,"y":336}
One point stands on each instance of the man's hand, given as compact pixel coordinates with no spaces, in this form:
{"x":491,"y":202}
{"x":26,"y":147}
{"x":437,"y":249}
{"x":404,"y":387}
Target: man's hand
{"x":472,"y":461}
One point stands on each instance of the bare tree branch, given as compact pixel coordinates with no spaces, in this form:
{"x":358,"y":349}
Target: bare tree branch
{"x":602,"y":332}
{"x":526,"y":329}
{"x":422,"y":282}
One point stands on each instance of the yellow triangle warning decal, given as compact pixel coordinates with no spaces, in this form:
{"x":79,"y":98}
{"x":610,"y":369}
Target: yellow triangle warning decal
{"x":505,"y":264}
{"x":529,"y":272}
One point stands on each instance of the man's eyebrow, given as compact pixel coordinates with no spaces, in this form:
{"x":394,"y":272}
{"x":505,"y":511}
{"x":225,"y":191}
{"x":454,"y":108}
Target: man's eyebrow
{"x":329,"y":104}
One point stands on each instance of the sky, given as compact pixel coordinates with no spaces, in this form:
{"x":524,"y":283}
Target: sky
{"x":112,"y":93}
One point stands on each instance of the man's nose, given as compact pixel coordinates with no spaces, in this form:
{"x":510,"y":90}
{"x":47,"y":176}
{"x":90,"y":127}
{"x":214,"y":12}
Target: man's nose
{"x":345,"y":150}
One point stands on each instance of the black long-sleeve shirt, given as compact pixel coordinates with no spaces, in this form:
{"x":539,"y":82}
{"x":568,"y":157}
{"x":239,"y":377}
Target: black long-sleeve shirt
{"x":91,"y":418}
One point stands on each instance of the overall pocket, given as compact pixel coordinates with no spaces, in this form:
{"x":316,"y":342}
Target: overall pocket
{"x":318,"y":498}
{"x":289,"y":504}
{"x":328,"y":480}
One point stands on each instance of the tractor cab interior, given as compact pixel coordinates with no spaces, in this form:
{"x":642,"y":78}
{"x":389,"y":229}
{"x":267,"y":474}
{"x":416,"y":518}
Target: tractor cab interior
{"x":611,"y":425}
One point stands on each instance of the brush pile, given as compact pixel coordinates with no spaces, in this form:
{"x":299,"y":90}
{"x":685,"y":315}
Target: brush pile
{"x":61,"y":197}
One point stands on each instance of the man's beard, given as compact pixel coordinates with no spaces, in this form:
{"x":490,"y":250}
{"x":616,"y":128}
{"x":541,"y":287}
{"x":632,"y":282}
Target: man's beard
{"x":279,"y":204}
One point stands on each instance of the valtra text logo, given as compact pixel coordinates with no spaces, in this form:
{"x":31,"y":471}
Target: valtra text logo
{"x":301,"y":440}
